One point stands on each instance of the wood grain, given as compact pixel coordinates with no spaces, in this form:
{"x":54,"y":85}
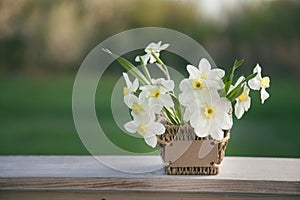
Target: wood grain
{"x":62,"y":195}
{"x":266,"y":177}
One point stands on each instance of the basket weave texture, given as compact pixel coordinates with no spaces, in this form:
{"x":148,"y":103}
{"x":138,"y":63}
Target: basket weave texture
{"x":186,"y":132}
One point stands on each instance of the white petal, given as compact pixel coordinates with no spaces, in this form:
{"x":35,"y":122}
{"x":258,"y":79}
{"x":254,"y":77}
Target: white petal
{"x":146,"y":87}
{"x":128,"y":82}
{"x":247,"y":103}
{"x":216,"y":74}
{"x":207,"y":96}
{"x":166,"y":100}
{"x":135,"y":85}
{"x":157,"y":81}
{"x":151,"y":141}
{"x":164,"y":46}
{"x":200,"y":124}
{"x":246,"y":89}
{"x":126,"y":99}
{"x":143,"y":117}
{"x":219,"y":73}
{"x":257,"y":70}
{"x":195,"y":118}
{"x":241,"y":78}
{"x":185,"y":98}
{"x":131,"y":127}
{"x":254,"y":83}
{"x":193,"y":72}
{"x":155,"y":108}
{"x":217,"y":133}
{"x":155,"y":128}
{"x":169,"y":84}
{"x":185,"y":84}
{"x":137,"y":59}
{"x":130,"y":99}
{"x":212,"y":84}
{"x":238,"y":110}
{"x":145,"y":58}
{"x":227,"y":104}
{"x":236,"y":84}
{"x":153,"y":59}
{"x":223,"y":120}
{"x":144,"y":94}
{"x":263,"y":95}
{"x":230,"y":89}
{"x":151,"y":46}
{"x":202,"y":130}
{"x":204,"y":66}
{"x":187,"y":114}
{"x":158,"y":44}
{"x":227,"y":122}
{"x":222,"y":104}
{"x":221,"y":84}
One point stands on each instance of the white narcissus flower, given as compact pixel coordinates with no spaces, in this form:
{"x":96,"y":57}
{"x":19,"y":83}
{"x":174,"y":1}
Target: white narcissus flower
{"x":243,"y":102}
{"x":200,"y":81}
{"x":212,"y":116}
{"x":157,"y":93}
{"x":260,"y":83}
{"x":141,"y":109}
{"x":192,"y":89}
{"x":205,"y":73}
{"x":155,"y":48}
{"x":147,"y":129}
{"x":130,"y":87}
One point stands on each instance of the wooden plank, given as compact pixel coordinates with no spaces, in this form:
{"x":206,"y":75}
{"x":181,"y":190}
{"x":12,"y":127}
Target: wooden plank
{"x":279,"y":176}
{"x":62,"y":195}
{"x":178,"y":184}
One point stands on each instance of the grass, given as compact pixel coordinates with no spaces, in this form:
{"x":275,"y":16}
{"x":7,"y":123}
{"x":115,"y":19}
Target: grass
{"x":36,"y":119}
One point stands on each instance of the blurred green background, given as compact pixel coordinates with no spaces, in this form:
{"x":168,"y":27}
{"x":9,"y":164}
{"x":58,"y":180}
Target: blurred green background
{"x":42,"y":44}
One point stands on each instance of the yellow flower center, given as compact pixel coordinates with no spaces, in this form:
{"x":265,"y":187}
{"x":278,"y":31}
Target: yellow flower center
{"x":141,"y":129}
{"x":209,"y":112}
{"x":136,"y":107}
{"x":125,"y":91}
{"x":197,"y":84}
{"x":154,"y":93}
{"x":203,"y":76}
{"x":265,"y":82}
{"x":243,"y":97}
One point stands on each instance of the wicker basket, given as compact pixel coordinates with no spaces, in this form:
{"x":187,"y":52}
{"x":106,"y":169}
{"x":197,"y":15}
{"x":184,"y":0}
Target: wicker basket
{"x":187,"y":160}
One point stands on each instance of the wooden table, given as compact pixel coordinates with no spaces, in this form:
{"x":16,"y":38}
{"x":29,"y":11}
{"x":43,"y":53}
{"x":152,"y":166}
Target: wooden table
{"x":84,"y":177}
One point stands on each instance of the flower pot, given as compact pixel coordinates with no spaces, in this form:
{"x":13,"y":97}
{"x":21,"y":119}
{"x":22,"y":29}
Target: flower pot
{"x":184,"y":153}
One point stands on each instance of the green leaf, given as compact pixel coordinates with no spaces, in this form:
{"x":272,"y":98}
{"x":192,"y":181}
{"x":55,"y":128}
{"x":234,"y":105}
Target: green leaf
{"x":177,"y":108}
{"x":238,"y":63}
{"x":229,"y":77}
{"x":128,"y":66}
{"x":222,"y":92}
{"x":238,"y":90}
{"x":170,"y":116}
{"x":227,"y":85}
{"x":235,"y":93}
{"x":251,"y":76}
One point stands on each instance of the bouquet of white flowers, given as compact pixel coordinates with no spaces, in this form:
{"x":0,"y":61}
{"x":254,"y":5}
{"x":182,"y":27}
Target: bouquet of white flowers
{"x":200,"y":114}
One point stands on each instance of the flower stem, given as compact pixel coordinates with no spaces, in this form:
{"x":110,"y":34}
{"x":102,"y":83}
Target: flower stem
{"x":146,"y":71}
{"x":162,"y":64}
